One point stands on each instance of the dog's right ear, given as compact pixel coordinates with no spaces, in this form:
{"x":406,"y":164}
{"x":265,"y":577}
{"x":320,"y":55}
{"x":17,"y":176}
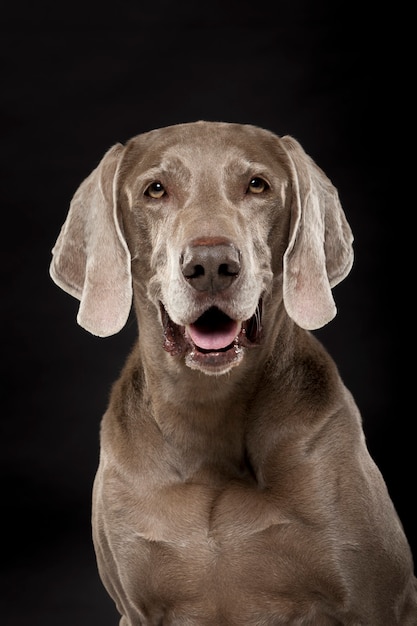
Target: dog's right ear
{"x":90,"y":259}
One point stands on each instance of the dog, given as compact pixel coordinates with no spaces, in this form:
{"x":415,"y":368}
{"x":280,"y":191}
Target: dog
{"x":234,"y":485}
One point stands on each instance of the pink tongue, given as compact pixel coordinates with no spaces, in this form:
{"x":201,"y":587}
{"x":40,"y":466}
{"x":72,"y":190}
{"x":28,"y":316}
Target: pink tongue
{"x":214,"y":339}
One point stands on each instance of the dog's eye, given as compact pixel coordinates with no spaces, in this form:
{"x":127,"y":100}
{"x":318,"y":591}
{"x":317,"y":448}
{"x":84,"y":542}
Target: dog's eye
{"x":155,"y":190}
{"x":257,"y":185}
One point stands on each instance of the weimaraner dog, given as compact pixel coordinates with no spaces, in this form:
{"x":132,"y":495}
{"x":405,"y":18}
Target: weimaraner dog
{"x":234,"y":485}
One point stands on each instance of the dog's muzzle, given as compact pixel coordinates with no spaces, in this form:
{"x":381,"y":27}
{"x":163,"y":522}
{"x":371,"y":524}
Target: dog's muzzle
{"x":214,"y":342}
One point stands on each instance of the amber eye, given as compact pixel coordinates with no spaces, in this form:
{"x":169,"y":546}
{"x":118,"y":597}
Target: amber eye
{"x":257,"y":185}
{"x":155,"y":190}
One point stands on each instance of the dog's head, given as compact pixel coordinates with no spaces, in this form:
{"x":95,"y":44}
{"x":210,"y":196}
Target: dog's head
{"x":204,"y":221}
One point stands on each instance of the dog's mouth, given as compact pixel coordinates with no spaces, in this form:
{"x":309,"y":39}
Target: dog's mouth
{"x":214,"y":342}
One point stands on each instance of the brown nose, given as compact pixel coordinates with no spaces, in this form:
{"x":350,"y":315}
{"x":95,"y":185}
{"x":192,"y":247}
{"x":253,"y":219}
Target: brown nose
{"x":210,"y":264}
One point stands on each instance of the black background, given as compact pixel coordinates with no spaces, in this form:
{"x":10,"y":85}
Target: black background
{"x":75,"y":80}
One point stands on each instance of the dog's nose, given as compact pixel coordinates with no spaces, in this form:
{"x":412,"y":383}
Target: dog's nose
{"x":210,"y":264}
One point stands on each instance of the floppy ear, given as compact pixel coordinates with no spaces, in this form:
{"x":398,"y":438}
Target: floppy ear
{"x":90,"y":259}
{"x":319,"y":253}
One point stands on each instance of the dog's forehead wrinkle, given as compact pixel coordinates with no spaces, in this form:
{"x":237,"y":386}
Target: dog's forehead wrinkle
{"x":241,"y":164}
{"x":216,"y":150}
{"x":171,"y":163}
{"x":167,"y":171}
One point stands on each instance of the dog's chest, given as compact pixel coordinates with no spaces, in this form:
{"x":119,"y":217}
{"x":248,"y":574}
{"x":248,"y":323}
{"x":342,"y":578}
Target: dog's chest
{"x":212,"y":542}
{"x":196,"y":531}
{"x":225,"y":574}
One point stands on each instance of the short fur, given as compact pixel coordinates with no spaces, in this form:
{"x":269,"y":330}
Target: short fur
{"x":234,"y":485}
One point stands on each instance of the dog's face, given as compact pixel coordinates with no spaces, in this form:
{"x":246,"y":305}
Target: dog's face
{"x":206,"y":214}
{"x":209,"y":223}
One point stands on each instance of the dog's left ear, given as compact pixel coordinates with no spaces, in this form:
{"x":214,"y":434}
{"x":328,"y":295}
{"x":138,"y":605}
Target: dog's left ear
{"x":91,"y":260}
{"x":319,"y":253}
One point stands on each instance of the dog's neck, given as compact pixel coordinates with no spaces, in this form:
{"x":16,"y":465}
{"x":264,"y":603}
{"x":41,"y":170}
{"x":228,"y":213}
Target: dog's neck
{"x":208,"y":423}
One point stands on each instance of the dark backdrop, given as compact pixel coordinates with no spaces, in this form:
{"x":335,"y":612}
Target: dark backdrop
{"x":75,"y":80}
